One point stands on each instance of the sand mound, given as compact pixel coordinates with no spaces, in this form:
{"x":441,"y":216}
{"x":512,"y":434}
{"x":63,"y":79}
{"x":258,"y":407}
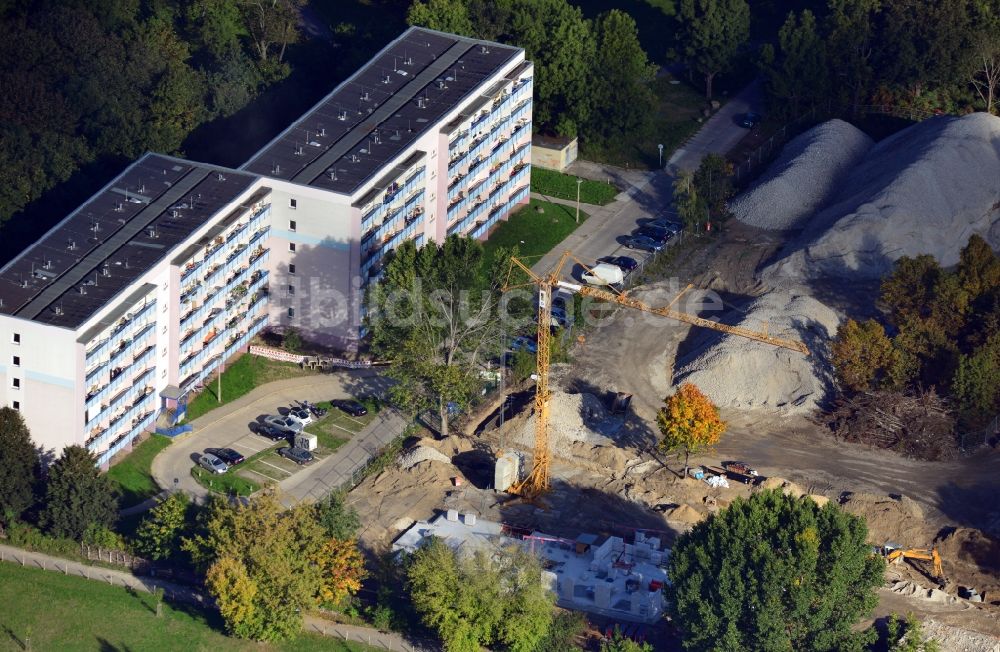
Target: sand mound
{"x":908,"y":588}
{"x":810,"y":169}
{"x":819,"y":500}
{"x":685,"y":514}
{"x":957,"y":639}
{"x":971,"y":547}
{"x":899,"y":521}
{"x":572,"y":418}
{"x":924,"y":190}
{"x":738,"y":372}
{"x":450,"y":446}
{"x":787,"y":487}
{"x":422,"y":454}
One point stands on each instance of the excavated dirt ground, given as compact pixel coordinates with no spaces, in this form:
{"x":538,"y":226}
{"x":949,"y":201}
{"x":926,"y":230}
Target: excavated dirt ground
{"x":606,"y":478}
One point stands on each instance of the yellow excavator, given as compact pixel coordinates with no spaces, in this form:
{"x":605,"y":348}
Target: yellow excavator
{"x":895,"y":554}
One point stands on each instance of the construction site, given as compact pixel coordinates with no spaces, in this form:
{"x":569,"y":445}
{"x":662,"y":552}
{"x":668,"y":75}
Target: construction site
{"x":560,"y":465}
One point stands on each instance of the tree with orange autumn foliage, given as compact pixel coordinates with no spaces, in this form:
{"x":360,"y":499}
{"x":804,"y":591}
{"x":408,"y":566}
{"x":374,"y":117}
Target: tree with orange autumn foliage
{"x":341,"y":569}
{"x":689,"y":423}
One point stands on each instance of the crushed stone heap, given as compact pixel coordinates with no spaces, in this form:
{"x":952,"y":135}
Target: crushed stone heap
{"x":741,"y":373}
{"x":811,"y":168}
{"x":924,"y":190}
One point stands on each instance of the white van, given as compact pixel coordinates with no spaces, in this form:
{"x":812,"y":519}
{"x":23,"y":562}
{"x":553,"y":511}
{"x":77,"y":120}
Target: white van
{"x":603,"y":274}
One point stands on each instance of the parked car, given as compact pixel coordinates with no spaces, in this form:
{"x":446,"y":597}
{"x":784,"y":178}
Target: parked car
{"x":667,"y":224}
{"x":212,"y":463}
{"x":286,"y":425}
{"x":350,"y":407}
{"x":750,"y":120}
{"x":522,"y":343}
{"x":643,"y":243}
{"x":301,"y":415}
{"x":227,"y":455}
{"x":560,"y":317}
{"x":298,"y":455}
{"x":272,"y":432}
{"x":660,"y":235}
{"x":623,"y":263}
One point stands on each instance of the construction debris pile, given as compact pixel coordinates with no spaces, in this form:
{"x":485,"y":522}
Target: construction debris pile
{"x":918,"y":426}
{"x":573,"y":418}
{"x":924,"y":190}
{"x":811,"y":168}
{"x":743,"y":373}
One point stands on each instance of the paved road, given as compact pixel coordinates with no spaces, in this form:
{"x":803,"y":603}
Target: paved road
{"x":721,"y":133}
{"x":228,"y":426}
{"x":648,"y":194}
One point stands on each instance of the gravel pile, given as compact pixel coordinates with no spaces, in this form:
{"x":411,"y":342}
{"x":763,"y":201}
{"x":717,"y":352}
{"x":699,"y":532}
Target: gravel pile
{"x":743,"y":373}
{"x":810,"y":169}
{"x":422,"y":454}
{"x":572,"y":418}
{"x":924,"y":190}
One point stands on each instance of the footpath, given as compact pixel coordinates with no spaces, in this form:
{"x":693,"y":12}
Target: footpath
{"x":177,"y":593}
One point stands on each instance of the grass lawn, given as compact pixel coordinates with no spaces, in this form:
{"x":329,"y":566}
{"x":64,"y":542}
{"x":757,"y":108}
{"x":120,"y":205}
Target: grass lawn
{"x":534,"y":233}
{"x":676,"y":119}
{"x":239,"y":378}
{"x":227,"y":483}
{"x":131,"y":475}
{"x":557,"y":184}
{"x":68,"y":613}
{"x":337,"y":427}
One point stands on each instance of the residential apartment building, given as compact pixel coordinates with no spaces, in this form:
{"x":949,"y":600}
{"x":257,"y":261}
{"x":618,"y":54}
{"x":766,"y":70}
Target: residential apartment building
{"x":136,"y":298}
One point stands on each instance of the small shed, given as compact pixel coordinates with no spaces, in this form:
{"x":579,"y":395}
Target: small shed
{"x":584,"y":542}
{"x":553,"y":152}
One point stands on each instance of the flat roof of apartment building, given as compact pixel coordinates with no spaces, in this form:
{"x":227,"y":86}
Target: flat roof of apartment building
{"x":373,"y":116}
{"x":120,"y":233}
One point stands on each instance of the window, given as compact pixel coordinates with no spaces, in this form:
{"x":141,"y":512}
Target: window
{"x":163,"y":352}
{"x":164,"y":329}
{"x":15,"y":361}
{"x":292,"y":203}
{"x":291,"y":268}
{"x":291,"y":225}
{"x":291,"y":290}
{"x":15,"y":383}
{"x":15,"y":338}
{"x":16,"y":405}
{"x":291,"y":312}
{"x":164,"y":309}
{"x":291,"y":246}
{"x":163,"y":374}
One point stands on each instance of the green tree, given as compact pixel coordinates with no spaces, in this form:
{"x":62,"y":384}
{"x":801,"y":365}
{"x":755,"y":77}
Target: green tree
{"x":691,"y":206}
{"x":908,"y":636}
{"x":797,"y":73}
{"x":262,"y":573}
{"x":557,"y":38}
{"x":217,"y":24}
{"x":621,"y":81}
{"x":159,"y":534}
{"x":19,"y":465}
{"x":566,"y":627}
{"x":689,"y":423}
{"x":338,"y":519}
{"x":862,"y":355}
{"x":976,"y":380}
{"x":444,"y":15}
{"x":773,"y":572}
{"x":713,"y":182}
{"x":434,"y":315}
{"x":78,"y":495}
{"x":619,"y":643}
{"x":978,"y":267}
{"x":480,"y":599}
{"x":272,"y":26}
{"x":851,"y":35}
{"x":909,"y":290}
{"x":291,"y":341}
{"x":710,"y":35}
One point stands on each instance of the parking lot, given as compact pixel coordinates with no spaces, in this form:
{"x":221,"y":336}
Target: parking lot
{"x":263,"y":465}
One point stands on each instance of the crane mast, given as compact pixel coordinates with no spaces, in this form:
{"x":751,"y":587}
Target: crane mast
{"x":537,"y":480}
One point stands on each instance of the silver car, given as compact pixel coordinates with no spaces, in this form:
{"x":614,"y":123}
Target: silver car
{"x":287,"y":425}
{"x":213,"y":464}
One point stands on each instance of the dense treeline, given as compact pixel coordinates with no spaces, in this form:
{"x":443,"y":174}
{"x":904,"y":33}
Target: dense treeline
{"x":86,"y":80}
{"x":941,"y":330}
{"x":921,"y":55}
{"x":592,"y":77}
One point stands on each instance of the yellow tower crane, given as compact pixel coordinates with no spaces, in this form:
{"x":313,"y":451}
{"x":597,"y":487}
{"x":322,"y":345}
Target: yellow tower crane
{"x":537,"y":480}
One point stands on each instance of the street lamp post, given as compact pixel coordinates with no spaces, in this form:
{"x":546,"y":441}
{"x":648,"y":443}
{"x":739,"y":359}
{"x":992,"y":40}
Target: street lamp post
{"x":578,"y":183}
{"x":660,"y":146}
